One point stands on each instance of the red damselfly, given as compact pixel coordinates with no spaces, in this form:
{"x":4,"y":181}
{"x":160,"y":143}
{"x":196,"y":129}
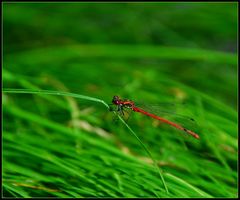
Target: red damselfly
{"x":128,"y":104}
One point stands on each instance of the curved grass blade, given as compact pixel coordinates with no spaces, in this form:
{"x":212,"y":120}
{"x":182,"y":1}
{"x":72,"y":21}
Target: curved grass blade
{"x":51,"y":92}
{"x":148,"y":152}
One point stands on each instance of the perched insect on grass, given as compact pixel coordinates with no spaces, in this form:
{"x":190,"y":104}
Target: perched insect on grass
{"x":130,"y":105}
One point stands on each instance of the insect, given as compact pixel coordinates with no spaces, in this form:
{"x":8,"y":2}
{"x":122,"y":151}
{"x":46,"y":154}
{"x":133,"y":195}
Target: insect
{"x":128,"y":104}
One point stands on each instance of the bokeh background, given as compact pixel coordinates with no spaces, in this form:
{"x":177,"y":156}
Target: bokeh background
{"x":152,"y":52}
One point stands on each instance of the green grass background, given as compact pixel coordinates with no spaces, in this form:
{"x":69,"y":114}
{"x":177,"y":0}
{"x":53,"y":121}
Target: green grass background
{"x":60,"y":146}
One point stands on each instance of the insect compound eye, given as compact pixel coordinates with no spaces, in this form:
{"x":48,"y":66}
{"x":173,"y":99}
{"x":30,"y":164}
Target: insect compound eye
{"x":115,"y":99}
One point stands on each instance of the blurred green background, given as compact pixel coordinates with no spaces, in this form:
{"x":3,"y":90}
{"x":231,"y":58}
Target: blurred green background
{"x":152,"y":52}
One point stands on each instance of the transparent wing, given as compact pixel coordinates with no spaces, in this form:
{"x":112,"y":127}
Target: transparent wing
{"x":172,"y":112}
{"x":165,"y":108}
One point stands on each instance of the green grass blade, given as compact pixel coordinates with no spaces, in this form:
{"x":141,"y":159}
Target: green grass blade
{"x":50,"y":92}
{"x":148,"y":152}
